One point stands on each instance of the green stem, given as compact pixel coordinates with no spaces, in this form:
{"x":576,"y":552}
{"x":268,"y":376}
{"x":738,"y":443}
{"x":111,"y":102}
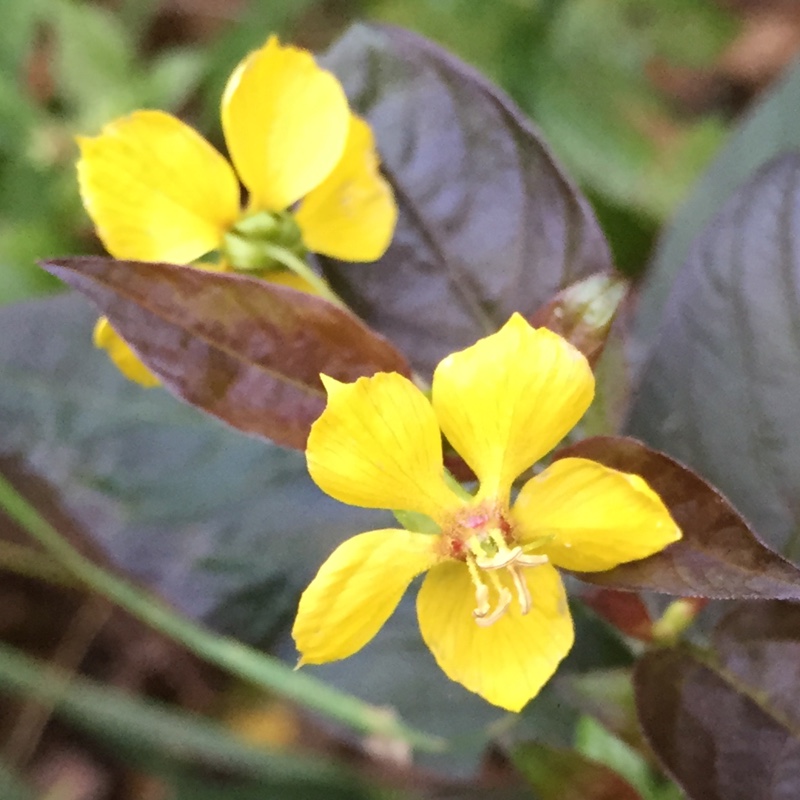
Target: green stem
{"x":301,"y":268}
{"x":233,"y":656}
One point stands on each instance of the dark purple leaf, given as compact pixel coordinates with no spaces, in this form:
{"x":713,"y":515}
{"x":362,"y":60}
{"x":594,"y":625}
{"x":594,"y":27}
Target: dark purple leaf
{"x":725,"y":724}
{"x":721,"y":388}
{"x":489,"y":224}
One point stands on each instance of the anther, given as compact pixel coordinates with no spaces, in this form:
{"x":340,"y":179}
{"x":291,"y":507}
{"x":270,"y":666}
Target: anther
{"x":490,"y":619}
{"x":482,"y":600}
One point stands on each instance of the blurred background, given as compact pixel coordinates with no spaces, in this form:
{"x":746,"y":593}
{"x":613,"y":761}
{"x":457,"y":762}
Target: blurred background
{"x":634,"y":96}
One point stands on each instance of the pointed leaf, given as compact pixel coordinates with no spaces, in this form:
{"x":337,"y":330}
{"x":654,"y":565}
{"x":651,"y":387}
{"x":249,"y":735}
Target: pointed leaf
{"x":718,"y":556}
{"x":245,"y":350}
{"x":489,"y":224}
{"x":721,"y":389}
{"x":727,"y":727}
{"x":583,"y":312}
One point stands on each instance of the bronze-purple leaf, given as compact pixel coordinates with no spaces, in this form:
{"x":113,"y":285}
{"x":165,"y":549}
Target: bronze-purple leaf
{"x":245,"y":350}
{"x":719,"y":555}
{"x":726,"y":724}
{"x":759,"y":646}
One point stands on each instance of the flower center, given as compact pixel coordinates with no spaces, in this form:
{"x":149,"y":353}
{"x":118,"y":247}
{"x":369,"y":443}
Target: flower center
{"x":485,"y":543}
{"x":263,"y":242}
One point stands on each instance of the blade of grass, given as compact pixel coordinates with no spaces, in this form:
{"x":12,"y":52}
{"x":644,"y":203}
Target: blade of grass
{"x":225,"y":652}
{"x":147,"y":725}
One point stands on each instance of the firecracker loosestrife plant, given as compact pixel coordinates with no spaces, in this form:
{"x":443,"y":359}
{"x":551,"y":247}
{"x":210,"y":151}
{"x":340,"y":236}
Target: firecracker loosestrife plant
{"x":157,"y":191}
{"x":492,"y":607}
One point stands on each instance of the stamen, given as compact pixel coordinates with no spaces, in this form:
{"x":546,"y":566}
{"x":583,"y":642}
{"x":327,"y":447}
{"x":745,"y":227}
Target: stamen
{"x":486,"y":554}
{"x":523,"y":593}
{"x":531,"y":561}
{"x":505,"y":602}
{"x":482,"y":607}
{"x":483,"y":613}
{"x":500,"y":559}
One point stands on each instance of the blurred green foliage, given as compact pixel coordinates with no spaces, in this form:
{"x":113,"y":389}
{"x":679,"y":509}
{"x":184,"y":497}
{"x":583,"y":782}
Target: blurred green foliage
{"x":577,"y":67}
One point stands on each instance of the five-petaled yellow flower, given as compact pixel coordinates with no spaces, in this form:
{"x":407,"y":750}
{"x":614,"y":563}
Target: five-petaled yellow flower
{"x":492,"y":607}
{"x":157,"y":191}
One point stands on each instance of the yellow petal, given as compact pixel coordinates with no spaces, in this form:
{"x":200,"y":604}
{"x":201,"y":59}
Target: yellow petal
{"x":356,"y":590}
{"x":285,"y":121}
{"x":508,"y":662}
{"x":120,"y":352}
{"x":598,"y":517}
{"x":156,"y":190}
{"x":377,"y":445}
{"x":351,"y":215}
{"x":509,"y":399}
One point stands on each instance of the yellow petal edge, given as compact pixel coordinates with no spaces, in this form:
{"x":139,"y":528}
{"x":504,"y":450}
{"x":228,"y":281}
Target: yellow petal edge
{"x":285,"y":121}
{"x":508,"y":662}
{"x":356,"y":590}
{"x":594,"y":517}
{"x":155,"y":189}
{"x":377,"y":445}
{"x":507,"y":400}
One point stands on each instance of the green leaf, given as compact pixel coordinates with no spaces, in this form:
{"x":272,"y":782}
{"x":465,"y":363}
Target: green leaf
{"x":720,"y":389}
{"x":171,"y":76}
{"x":561,"y":774}
{"x":245,"y":350}
{"x":583,"y":312}
{"x":489,"y":224}
{"x":147,"y":730}
{"x":719,"y":555}
{"x":16,"y":35}
{"x":772,"y":127}
{"x":726,"y":725}
{"x":94,"y":61}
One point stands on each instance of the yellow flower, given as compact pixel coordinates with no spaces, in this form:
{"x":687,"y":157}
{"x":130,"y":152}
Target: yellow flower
{"x":492,"y":607}
{"x":157,"y":191}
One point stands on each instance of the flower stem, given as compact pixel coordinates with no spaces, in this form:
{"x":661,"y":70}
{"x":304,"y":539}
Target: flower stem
{"x":246,"y":662}
{"x":301,"y":268}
